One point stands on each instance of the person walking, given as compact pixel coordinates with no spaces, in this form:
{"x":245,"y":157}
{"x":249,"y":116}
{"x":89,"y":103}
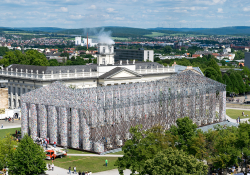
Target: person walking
{"x":79,"y":173}
{"x":75,"y":169}
{"x":52,"y":166}
{"x":239,"y":119}
{"x":70,"y":170}
{"x":2,"y":126}
{"x":106,"y":162}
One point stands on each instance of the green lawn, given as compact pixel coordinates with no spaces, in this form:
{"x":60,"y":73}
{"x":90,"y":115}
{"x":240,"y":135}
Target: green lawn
{"x":234,"y":114}
{"x":154,"y":34}
{"x":118,"y":153}
{"x":72,"y":151}
{"x":4,"y":132}
{"x":94,"y":164}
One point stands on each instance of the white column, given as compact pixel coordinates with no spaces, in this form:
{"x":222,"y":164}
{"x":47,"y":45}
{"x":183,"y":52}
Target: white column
{"x":11,"y":96}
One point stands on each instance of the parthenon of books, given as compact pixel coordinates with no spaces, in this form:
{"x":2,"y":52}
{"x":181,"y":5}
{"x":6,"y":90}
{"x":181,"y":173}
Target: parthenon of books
{"x":99,"y":118}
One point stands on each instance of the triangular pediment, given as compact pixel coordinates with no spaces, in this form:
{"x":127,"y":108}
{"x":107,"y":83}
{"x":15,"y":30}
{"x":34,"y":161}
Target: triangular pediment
{"x":123,"y":74}
{"x":119,"y":72}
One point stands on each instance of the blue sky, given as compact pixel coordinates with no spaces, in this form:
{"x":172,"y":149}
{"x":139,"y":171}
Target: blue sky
{"x":130,"y":13}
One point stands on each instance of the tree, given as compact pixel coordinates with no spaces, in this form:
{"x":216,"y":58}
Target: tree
{"x":144,"y":145}
{"x":219,"y":79}
{"x":210,"y":71}
{"x":174,"y":162}
{"x":3,"y":50}
{"x":7,"y":148}
{"x":53,"y":62}
{"x":167,"y":49}
{"x":241,"y":85}
{"x":184,"y":131}
{"x":212,"y":63}
{"x":228,"y":82}
{"x":28,"y":159}
{"x":234,"y":82}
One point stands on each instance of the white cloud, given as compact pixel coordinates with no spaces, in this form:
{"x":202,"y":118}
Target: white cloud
{"x":76,"y":16}
{"x":62,"y":9}
{"x":183,"y":21}
{"x":246,"y":9}
{"x":213,"y":2}
{"x":119,"y":18}
{"x":110,"y":10}
{"x":220,"y":10}
{"x":15,"y":1}
{"x":93,"y":7}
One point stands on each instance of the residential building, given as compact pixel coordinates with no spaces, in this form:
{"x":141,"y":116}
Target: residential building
{"x":133,"y":54}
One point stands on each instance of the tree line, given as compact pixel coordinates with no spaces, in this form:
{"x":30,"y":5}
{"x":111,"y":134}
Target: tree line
{"x":183,"y":149}
{"x":237,"y":81}
{"x":33,"y":57}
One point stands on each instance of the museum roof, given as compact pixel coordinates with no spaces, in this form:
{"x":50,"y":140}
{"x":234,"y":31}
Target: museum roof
{"x":55,"y":69}
{"x":117,"y":70}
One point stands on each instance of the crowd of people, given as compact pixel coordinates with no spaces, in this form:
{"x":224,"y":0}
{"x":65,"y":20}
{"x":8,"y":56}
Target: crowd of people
{"x":79,"y":173}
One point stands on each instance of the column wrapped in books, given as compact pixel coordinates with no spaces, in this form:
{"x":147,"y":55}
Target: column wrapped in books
{"x":24,"y":126}
{"x":75,"y":129}
{"x":33,"y":117}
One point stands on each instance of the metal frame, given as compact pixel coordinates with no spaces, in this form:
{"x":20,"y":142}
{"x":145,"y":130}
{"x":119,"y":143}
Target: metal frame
{"x":99,"y":118}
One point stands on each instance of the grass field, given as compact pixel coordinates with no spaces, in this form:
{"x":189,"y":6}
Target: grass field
{"x":94,"y":164}
{"x":234,"y":114}
{"x":154,"y":34}
{"x":4,"y":132}
{"x":17,"y":33}
{"x":72,"y":151}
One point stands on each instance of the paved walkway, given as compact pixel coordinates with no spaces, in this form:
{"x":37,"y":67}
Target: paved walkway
{"x":8,"y":125}
{"x":61,"y":171}
{"x":96,"y":155}
{"x":234,"y":120}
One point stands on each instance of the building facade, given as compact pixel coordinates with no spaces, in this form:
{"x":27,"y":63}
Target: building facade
{"x":247,"y":59}
{"x":133,"y":54}
{"x":20,"y":79}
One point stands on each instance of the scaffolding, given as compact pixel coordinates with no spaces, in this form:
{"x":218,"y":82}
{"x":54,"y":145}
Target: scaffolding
{"x":99,"y":118}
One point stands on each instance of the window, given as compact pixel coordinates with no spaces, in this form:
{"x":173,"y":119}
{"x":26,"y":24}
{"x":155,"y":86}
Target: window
{"x":14,"y":90}
{"x":103,"y":49}
{"x":148,"y":55}
{"x":23,"y":90}
{"x":103,"y":61}
{"x":19,"y":91}
{"x":9,"y":102}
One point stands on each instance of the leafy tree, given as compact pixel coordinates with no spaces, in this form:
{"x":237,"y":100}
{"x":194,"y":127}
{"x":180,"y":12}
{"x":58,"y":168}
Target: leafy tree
{"x":53,"y":62}
{"x":184,"y":131}
{"x":167,"y":49}
{"x":210,"y":71}
{"x":31,"y":57}
{"x":241,"y":85}
{"x":239,"y":55}
{"x":144,"y":145}
{"x":3,"y":50}
{"x":228,"y":82}
{"x":219,"y":79}
{"x":212,"y":63}
{"x":234,"y":82}
{"x":28,"y":159}
{"x":225,"y":152}
{"x":174,"y":162}
{"x":7,"y":148}
{"x":73,"y":58}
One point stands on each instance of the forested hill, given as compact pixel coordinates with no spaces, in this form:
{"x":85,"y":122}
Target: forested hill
{"x":236,"y":30}
{"x":137,"y":32}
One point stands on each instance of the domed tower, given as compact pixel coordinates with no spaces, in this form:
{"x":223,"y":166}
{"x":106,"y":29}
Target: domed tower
{"x":105,"y":54}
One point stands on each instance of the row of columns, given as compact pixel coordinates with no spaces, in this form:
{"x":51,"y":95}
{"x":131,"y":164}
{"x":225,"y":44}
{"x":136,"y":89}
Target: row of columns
{"x":52,"y":124}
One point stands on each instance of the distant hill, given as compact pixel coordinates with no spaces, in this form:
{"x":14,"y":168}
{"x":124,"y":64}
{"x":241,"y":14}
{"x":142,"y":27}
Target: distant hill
{"x":41,"y":29}
{"x":125,"y":32}
{"x":236,"y":30}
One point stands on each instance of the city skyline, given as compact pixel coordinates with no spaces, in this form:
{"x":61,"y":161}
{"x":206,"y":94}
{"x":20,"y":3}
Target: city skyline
{"x":129,"y":13}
